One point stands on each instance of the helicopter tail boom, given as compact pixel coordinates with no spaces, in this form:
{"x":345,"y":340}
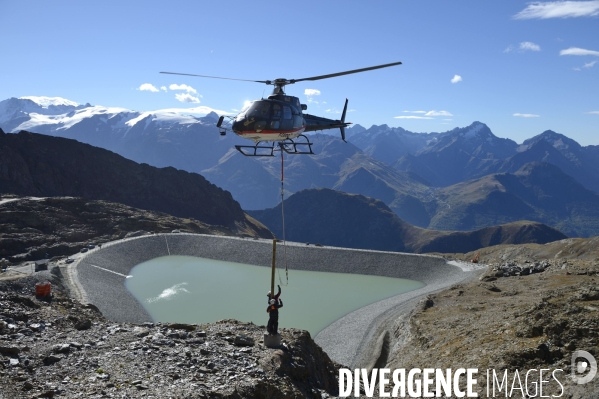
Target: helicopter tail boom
{"x":314,"y":123}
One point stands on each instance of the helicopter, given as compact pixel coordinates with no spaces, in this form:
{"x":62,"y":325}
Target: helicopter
{"x":278,"y":119}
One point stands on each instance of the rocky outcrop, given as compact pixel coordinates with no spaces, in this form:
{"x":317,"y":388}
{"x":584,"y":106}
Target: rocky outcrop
{"x":44,"y":354}
{"x":33,"y":228}
{"x":43,"y":166}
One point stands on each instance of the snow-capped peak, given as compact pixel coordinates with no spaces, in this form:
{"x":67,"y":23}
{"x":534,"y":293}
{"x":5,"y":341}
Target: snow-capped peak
{"x":45,"y":102}
{"x":474,"y":129}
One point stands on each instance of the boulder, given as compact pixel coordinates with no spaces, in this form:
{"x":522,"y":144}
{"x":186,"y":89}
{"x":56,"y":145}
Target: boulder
{"x":243,"y":340}
{"x":85,"y":324}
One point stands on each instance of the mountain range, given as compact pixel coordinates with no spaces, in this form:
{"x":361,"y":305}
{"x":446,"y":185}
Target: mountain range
{"x":54,"y":170}
{"x":454,"y":180}
{"x":329,"y":217}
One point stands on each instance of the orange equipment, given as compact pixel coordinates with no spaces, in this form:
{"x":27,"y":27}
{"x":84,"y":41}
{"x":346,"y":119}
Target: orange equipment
{"x":43,"y":289}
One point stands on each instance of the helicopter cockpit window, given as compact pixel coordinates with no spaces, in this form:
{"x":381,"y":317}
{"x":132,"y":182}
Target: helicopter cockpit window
{"x":259,"y":109}
{"x":243,"y":111}
{"x":287,"y":122}
{"x":276,"y":111}
{"x":298,"y":121}
{"x":247,"y":106}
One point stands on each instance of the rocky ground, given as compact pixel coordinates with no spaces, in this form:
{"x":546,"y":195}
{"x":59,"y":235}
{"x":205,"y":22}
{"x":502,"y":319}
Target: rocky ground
{"x":63,"y":349}
{"x":531,"y":309}
{"x":30,"y":228}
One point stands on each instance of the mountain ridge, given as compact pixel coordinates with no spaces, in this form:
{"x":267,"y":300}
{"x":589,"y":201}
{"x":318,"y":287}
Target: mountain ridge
{"x":40,"y":165}
{"x":330,"y":217}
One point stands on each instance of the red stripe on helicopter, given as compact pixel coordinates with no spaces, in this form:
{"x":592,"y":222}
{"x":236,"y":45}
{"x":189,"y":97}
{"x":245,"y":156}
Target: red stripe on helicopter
{"x":272,"y":131}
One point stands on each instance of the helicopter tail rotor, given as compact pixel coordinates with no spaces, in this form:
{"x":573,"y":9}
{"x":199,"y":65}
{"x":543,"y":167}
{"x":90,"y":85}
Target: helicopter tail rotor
{"x":342,"y":128}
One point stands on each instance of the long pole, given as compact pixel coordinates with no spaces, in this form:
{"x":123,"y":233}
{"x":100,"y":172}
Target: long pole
{"x":272,"y":277}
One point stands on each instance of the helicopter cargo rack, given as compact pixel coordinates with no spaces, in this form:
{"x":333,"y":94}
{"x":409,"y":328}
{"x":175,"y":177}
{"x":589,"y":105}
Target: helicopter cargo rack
{"x":289,"y":146}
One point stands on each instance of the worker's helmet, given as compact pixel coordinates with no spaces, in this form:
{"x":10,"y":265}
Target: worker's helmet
{"x":268,"y":293}
{"x":272,"y":301}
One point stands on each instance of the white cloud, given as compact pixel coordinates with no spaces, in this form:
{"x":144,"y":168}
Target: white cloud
{"x":456,"y":79}
{"x":578,"y":51}
{"x":310,"y":93}
{"x":509,"y":49}
{"x":186,"y":98}
{"x":336,"y":111}
{"x":524,"y":46}
{"x":201,"y":110}
{"x":587,"y":65}
{"x":188,"y":89}
{"x":527,"y":115}
{"x":425,"y":114}
{"x":593,"y":112}
{"x":447,"y":119}
{"x":438,"y":113}
{"x":559,"y":9}
{"x":163,"y":88}
{"x":148,"y":87}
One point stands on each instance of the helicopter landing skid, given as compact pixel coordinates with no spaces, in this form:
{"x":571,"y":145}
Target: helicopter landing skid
{"x":288,"y":145}
{"x":256,"y":150}
{"x":291,"y":147}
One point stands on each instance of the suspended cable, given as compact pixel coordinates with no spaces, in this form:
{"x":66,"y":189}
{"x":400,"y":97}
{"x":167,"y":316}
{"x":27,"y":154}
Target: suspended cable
{"x":283,"y":218}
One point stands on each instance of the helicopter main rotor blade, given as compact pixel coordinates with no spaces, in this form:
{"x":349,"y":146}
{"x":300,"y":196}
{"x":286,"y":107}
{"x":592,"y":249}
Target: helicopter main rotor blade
{"x":283,"y":82}
{"x":218,"y":77}
{"x":332,"y":75}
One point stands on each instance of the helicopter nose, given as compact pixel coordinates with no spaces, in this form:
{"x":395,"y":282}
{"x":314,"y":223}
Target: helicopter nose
{"x":244,"y":124}
{"x":241,"y":125}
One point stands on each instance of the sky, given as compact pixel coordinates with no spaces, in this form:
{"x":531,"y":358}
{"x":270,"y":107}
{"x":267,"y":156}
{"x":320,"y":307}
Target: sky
{"x":520,"y":67}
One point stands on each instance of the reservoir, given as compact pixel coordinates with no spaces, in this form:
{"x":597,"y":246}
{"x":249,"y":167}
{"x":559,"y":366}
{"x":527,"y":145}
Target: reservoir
{"x":196,"y":290}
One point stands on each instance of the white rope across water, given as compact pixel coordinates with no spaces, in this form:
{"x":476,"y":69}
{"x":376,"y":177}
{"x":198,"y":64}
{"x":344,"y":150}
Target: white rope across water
{"x":167,"y":249}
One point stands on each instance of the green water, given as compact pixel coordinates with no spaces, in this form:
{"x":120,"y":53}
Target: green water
{"x":197,"y":290}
